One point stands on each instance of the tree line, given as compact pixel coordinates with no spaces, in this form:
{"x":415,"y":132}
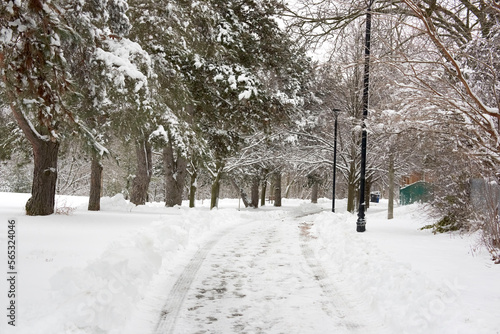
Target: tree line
{"x":192,"y":79}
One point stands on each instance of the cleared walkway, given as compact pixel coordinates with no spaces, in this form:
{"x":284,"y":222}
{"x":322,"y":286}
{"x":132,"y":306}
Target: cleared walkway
{"x":258,"y":278}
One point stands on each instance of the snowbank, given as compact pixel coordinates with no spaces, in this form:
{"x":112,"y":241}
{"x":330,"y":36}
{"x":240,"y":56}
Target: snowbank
{"x":406,"y":299}
{"x":102,"y":294}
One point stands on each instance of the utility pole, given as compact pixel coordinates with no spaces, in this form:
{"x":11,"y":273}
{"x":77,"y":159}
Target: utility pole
{"x":361,"y":223}
{"x":336,"y":112}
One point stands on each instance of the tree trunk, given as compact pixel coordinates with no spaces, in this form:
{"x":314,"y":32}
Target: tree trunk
{"x":289,"y":184}
{"x":140,"y":184}
{"x":241,"y":191}
{"x":192,"y":189}
{"x":95,"y":184}
{"x":368,"y":188}
{"x":271,"y":191}
{"x":255,"y":193}
{"x":351,"y":196}
{"x":214,"y":199}
{"x":175,"y":175}
{"x":390,"y":211}
{"x":263,"y":193}
{"x":277,"y":188}
{"x":351,"y":182}
{"x":43,"y":190}
{"x":314,"y":192}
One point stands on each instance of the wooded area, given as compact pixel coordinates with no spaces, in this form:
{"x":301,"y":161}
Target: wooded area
{"x":166,"y":100}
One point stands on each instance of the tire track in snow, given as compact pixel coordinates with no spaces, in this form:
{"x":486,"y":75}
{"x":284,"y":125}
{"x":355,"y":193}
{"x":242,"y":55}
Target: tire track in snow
{"x":170,"y":311}
{"x":184,"y":284}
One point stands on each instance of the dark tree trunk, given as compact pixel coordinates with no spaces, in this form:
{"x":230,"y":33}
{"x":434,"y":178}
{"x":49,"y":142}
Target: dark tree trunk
{"x":263,"y":193}
{"x":140,"y":184}
{"x":214,"y":199}
{"x":192,"y":189}
{"x":214,"y":196}
{"x":255,"y":193}
{"x":277,"y":189}
{"x":43,"y":190}
{"x":314,"y":192}
{"x":95,"y":184}
{"x":175,"y":175}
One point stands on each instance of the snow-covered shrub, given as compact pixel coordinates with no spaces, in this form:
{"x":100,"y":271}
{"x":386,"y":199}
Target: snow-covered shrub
{"x":488,"y":218}
{"x":470,"y":204}
{"x":451,"y":203}
{"x":491,"y":237}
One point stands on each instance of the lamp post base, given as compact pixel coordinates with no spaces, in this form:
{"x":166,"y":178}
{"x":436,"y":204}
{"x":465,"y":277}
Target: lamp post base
{"x":361,"y":225}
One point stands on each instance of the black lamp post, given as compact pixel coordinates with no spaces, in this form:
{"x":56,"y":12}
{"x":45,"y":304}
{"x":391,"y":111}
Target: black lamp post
{"x":336,"y":112}
{"x":361,"y":223}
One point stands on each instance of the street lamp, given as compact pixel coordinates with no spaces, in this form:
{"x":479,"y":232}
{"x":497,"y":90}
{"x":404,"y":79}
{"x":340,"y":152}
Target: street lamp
{"x":361,"y":223}
{"x":336,"y":113}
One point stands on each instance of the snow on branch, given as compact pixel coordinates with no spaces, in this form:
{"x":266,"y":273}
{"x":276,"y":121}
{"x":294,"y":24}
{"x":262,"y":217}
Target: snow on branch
{"x":124,"y":58}
{"x":236,"y":78}
{"x":92,"y":141}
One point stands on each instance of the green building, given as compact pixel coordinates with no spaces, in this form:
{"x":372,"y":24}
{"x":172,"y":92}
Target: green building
{"x":416,"y":192}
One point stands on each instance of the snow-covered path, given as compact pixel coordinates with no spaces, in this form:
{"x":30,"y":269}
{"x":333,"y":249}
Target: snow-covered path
{"x":261,"y":277}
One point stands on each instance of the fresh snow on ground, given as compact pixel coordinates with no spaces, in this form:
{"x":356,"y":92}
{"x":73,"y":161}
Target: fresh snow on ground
{"x":295,"y":269}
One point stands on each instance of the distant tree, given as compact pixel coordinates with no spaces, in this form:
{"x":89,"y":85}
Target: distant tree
{"x":166,"y":31}
{"x":237,"y":94}
{"x":464,"y":60}
{"x":96,"y":23}
{"x":443,"y":48}
{"x":131,"y":80}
